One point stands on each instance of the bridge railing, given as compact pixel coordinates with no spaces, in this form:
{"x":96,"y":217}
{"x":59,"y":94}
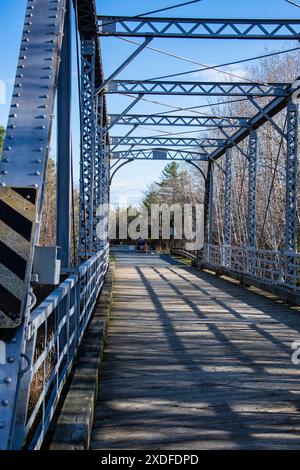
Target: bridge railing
{"x":52,"y":339}
{"x":273,"y":267}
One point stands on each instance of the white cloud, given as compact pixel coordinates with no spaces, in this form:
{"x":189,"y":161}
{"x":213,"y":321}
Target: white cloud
{"x":213,"y":75}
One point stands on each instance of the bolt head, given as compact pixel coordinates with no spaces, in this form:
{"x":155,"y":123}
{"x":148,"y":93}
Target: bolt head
{"x":8,"y":380}
{"x":11,"y":359}
{"x":4,"y":402}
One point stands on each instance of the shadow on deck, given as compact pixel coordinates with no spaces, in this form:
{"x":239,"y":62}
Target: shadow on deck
{"x":195,"y":362}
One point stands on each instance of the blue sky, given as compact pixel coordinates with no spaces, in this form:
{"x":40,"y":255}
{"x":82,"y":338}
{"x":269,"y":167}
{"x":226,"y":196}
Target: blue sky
{"x":133,"y":179}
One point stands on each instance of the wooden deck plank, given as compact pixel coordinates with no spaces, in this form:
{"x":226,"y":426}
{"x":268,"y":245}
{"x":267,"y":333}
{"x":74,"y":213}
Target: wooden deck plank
{"x":194,"y":361}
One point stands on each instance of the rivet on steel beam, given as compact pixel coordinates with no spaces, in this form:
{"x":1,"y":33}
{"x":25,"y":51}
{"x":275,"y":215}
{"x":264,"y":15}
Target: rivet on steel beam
{"x":4,"y":172}
{"x":13,"y":340}
{"x":37,"y":173}
{"x":38,"y":160}
{"x":8,"y":380}
{"x":8,"y":148}
{"x":26,"y":40}
{"x":6,"y":160}
{"x":11,"y":359}
{"x":2,"y":424}
{"x":4,"y":402}
{"x":13,"y":115}
{"x":20,"y":75}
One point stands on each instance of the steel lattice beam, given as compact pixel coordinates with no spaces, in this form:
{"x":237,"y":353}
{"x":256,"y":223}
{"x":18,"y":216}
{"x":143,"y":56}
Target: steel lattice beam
{"x":291,"y":178}
{"x":165,"y":141}
{"x":170,"y":120}
{"x":158,"y":154}
{"x":228,"y":199}
{"x":252,"y":158}
{"x":199,"y":28}
{"x":88,"y":145}
{"x":152,"y":87}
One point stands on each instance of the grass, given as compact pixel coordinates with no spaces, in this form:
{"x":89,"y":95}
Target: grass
{"x":183,"y":260}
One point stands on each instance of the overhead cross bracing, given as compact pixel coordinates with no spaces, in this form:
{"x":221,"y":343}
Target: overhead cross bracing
{"x":199,"y":28}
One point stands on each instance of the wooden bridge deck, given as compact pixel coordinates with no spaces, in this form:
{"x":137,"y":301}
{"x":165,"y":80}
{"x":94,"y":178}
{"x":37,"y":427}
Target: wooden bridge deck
{"x":196,"y":362}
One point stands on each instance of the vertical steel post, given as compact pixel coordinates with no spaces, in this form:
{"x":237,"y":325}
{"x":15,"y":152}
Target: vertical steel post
{"x":211,"y":205}
{"x":63,"y":226}
{"x":104,"y":175}
{"x":88,"y":139}
{"x":252,"y":159}
{"x":22,"y":182}
{"x":98,"y":173}
{"x":208,"y":208}
{"x":291,"y":192}
{"x":228,"y":206}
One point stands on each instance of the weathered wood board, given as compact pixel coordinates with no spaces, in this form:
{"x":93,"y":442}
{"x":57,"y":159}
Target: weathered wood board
{"x":196,"y":362}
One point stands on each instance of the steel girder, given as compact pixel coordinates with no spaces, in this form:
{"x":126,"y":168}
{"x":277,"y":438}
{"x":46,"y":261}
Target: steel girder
{"x":165,"y":141}
{"x":199,"y":28}
{"x":228,"y":198}
{"x":88,"y":146}
{"x":64,"y":146}
{"x":252,"y":159}
{"x":158,"y":154}
{"x":169,"y":120}
{"x":25,"y":154}
{"x":22,"y":180}
{"x":152,"y":87}
{"x":209,"y":204}
{"x":98,"y":176}
{"x":291,"y":178}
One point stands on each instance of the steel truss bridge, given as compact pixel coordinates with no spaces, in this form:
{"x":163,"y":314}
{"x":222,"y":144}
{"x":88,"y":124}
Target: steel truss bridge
{"x":43,"y":76}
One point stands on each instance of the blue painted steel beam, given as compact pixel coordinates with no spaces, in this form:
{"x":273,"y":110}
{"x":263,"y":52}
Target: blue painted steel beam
{"x":252,"y":159}
{"x":291,"y":178}
{"x":159,"y":154}
{"x":199,"y":28}
{"x":199,"y":88}
{"x":88,"y":143}
{"x":170,"y":120}
{"x":228,"y":198}
{"x":165,"y":141}
{"x":63,"y":209}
